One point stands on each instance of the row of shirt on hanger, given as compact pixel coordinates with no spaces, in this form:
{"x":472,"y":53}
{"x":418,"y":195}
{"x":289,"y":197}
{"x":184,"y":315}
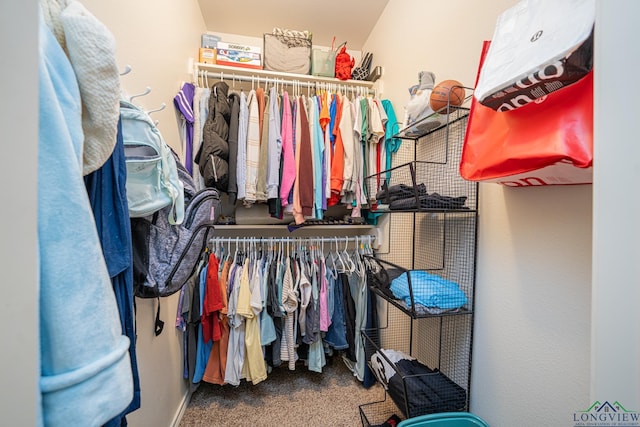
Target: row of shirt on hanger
{"x":300,"y":154}
{"x":246,"y":312}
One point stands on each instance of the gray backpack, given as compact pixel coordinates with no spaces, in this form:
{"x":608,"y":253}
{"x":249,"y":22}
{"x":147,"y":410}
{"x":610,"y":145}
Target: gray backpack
{"x":165,"y":255}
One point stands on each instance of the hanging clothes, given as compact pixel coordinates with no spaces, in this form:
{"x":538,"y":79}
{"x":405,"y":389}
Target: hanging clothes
{"x":358,"y":287}
{"x":289,"y":305}
{"x":253,"y":150}
{"x":337,"y":334}
{"x":298,"y":214}
{"x":267,"y":326}
{"x":214,"y":372}
{"x":327,"y":134}
{"x":274,"y":137}
{"x":263,"y":308}
{"x":336,"y":154}
{"x":87,"y":351}
{"x":236,"y":350}
{"x":249,"y":306}
{"x":183,"y":103}
{"x":325,"y":316}
{"x":288,"y":156}
{"x":275,"y":309}
{"x":317,"y":144}
{"x":107,"y":195}
{"x":211,"y":330}
{"x":203,"y":347}
{"x":191,"y":315}
{"x":392,"y":127}
{"x":316,"y":357}
{"x":305,"y":173}
{"x":263,"y":116}
{"x":200,"y":113}
{"x":234,"y":129}
{"x":241,"y":165}
{"x":274,"y":148}
{"x":213,"y":155}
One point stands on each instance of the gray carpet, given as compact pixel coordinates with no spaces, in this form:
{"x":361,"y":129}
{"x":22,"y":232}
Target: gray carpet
{"x":293,"y":398}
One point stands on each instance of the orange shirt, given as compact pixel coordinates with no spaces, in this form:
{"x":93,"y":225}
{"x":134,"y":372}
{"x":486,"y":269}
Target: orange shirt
{"x":337,"y":157}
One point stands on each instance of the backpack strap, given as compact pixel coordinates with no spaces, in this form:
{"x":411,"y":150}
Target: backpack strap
{"x":176,"y":191}
{"x":159,"y":325}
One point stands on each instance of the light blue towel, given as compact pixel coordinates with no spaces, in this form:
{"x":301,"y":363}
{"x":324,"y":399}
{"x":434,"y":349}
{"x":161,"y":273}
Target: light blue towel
{"x":429,"y":290}
{"x":86,"y":374}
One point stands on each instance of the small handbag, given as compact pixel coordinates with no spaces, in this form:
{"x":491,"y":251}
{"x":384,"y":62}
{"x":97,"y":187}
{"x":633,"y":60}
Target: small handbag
{"x":362,"y":71}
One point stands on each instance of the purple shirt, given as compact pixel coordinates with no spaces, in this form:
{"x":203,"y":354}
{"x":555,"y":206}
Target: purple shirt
{"x":183,"y":101}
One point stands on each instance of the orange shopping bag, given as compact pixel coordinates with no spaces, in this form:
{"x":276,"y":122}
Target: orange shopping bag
{"x":549,"y":141}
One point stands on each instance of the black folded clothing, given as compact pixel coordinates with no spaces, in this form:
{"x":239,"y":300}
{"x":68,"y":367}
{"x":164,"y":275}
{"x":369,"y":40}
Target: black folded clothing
{"x":400,"y":192}
{"x":427,"y":390}
{"x":429,"y":201}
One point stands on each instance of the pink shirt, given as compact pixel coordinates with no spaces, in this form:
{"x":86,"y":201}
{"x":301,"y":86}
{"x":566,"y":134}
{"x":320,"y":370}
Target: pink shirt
{"x":325,"y":319}
{"x":288,"y":158}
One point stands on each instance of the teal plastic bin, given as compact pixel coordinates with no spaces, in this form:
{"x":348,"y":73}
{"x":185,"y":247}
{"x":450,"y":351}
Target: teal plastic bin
{"x":445,"y":419}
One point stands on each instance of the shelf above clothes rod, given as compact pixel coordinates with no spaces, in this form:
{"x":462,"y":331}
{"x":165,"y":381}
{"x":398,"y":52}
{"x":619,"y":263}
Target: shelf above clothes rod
{"x":265,"y":76}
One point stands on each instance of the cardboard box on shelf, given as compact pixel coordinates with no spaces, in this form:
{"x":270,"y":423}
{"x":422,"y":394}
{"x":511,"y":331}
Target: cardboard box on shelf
{"x":239,"y":55}
{"x":207,"y":56}
{"x":210,"y":41}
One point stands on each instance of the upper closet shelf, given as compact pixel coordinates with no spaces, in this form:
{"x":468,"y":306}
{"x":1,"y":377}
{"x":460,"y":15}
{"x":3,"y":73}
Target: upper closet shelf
{"x":264,"y":76}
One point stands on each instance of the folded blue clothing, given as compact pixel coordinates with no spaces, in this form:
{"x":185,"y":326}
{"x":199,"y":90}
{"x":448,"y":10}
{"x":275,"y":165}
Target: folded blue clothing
{"x":429,"y":290}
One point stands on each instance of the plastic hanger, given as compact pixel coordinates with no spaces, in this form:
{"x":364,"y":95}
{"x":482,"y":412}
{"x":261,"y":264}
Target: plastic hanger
{"x":332,"y":259}
{"x":235,"y":255}
{"x":147,"y":91}
{"x":127,"y":70}
{"x":347,"y":258}
{"x":160,"y":108}
{"x":335,"y":256}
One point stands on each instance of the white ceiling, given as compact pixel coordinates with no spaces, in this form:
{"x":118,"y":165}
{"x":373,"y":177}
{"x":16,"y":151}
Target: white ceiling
{"x":348,"y":20}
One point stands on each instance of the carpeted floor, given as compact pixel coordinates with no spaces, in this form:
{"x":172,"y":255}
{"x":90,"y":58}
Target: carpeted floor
{"x":293,"y":398}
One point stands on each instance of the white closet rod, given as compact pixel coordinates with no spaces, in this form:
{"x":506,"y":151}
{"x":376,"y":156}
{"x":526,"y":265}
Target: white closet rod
{"x":289,"y":82}
{"x":341,"y":239}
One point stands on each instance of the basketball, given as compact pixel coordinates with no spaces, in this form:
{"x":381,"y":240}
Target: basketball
{"x":447,"y":92}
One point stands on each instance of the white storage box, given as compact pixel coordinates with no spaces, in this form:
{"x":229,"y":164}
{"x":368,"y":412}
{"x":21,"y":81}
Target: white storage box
{"x":239,"y":55}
